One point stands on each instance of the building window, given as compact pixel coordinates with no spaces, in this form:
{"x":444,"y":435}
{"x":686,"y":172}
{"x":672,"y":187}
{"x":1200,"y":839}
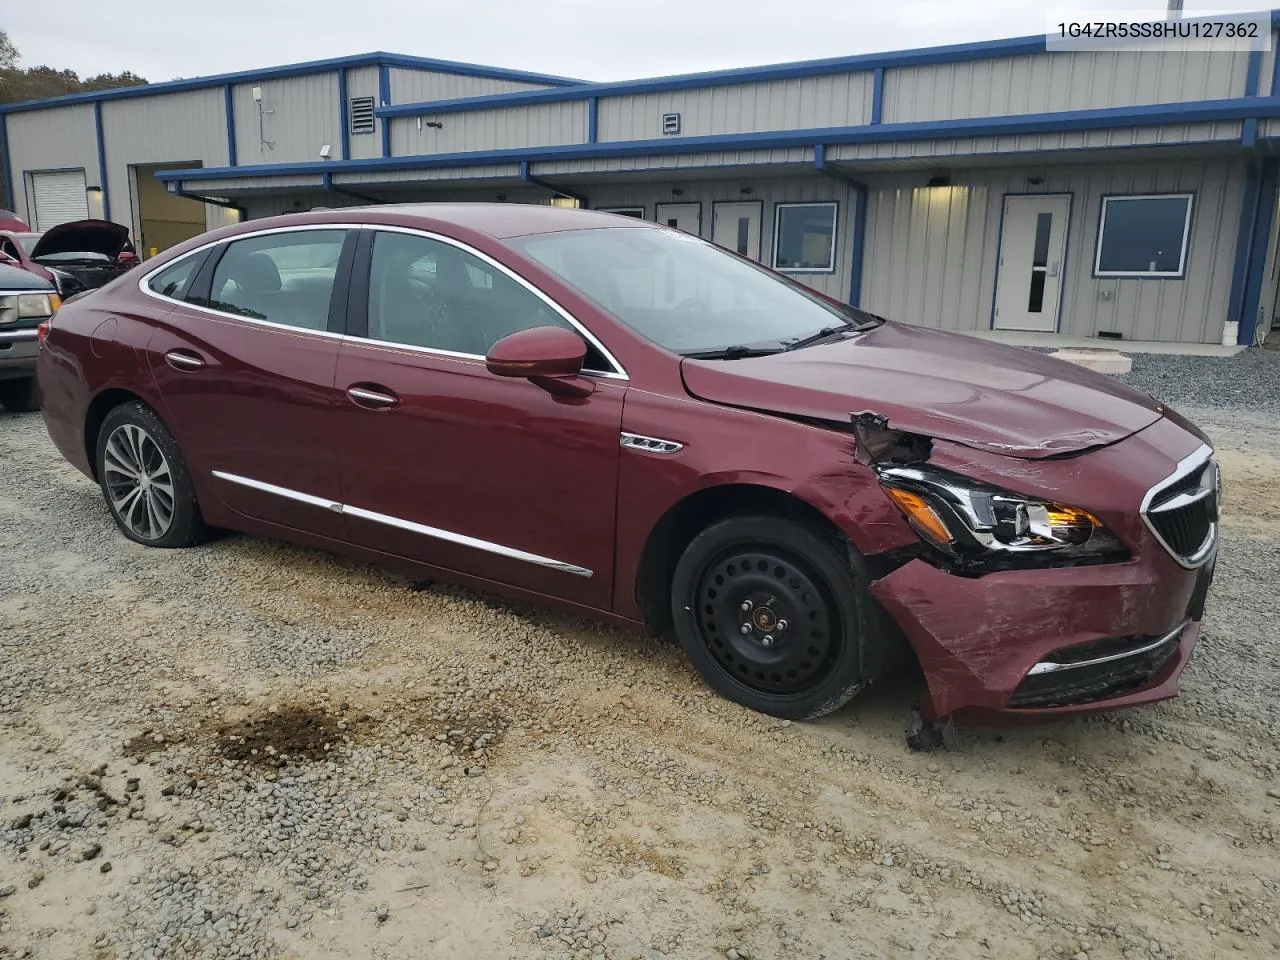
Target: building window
{"x":804,"y":237}
{"x":1143,"y":236}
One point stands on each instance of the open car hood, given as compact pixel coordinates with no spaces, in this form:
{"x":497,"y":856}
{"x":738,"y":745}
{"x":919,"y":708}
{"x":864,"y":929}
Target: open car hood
{"x":946,"y":386}
{"x":83,"y":236}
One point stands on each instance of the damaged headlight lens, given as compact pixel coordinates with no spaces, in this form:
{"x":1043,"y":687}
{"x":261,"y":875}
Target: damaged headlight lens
{"x":975,"y":522}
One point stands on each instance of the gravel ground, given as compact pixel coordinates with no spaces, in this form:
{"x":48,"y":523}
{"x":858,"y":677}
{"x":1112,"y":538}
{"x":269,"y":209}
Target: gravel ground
{"x":249,"y":750}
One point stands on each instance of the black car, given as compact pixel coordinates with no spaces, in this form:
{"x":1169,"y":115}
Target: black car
{"x":26,"y":301}
{"x":84,"y":254}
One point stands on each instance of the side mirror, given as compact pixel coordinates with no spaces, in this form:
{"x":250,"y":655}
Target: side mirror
{"x":551,"y":357}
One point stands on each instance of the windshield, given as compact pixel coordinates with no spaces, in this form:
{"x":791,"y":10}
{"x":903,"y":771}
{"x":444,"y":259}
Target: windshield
{"x":683,"y":293}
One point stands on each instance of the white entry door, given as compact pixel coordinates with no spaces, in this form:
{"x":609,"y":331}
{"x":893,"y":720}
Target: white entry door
{"x":736,"y":226}
{"x":682,"y":216}
{"x":1032,"y":244}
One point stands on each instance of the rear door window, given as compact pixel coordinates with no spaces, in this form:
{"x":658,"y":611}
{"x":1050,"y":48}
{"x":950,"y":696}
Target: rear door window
{"x":284,"y":278}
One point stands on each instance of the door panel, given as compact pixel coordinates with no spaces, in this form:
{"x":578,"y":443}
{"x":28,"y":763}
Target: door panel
{"x":736,"y":226}
{"x":1032,"y":248}
{"x":252,"y":400}
{"x":682,"y":216}
{"x":466,"y":455}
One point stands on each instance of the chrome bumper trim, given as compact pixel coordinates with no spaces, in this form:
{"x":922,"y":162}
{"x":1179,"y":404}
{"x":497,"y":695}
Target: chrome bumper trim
{"x":1049,"y":666}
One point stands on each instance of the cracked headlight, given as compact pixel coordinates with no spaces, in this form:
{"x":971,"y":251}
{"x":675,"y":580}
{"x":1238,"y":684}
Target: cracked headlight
{"x":977,"y":524}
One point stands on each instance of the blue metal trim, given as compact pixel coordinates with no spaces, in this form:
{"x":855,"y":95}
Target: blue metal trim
{"x":1275,"y":75}
{"x":1253,"y":74}
{"x":1261,"y":237}
{"x":1108,"y":118}
{"x":593,"y":118}
{"x":8,"y":164}
{"x":229,"y":95}
{"x":877,"y":95}
{"x":291,"y":70}
{"x":527,"y":176}
{"x":384,"y":96}
{"x":1240,"y":269}
{"x":102,"y":161}
{"x":344,"y":119}
{"x":1017,"y":46}
{"x":859,"y":215}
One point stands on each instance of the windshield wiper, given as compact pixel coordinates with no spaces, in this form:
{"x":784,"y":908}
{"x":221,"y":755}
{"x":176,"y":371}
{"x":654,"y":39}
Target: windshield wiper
{"x":820,"y":335}
{"x":735,"y":352}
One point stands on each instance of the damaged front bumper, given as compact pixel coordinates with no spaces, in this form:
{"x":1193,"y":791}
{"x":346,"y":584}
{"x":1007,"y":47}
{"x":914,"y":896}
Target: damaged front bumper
{"x":1030,"y":644}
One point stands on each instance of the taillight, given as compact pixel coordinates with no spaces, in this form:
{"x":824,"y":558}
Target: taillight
{"x":42,"y":332}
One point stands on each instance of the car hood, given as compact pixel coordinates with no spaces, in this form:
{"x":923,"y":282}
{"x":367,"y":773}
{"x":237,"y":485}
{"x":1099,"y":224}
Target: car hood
{"x":83,"y":236}
{"x":1001,"y":399}
{"x":15,"y":278}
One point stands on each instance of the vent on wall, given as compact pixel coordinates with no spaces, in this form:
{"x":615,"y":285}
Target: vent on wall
{"x":670,"y":123}
{"x":362,"y":114}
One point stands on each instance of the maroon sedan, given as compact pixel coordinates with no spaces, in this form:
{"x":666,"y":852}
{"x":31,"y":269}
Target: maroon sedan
{"x":629,"y":421}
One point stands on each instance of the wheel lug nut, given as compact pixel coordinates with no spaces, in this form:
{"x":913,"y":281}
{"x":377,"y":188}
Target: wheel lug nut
{"x":747,"y":605}
{"x":746,"y":628}
{"x":782,"y":625}
{"x":767,"y":641}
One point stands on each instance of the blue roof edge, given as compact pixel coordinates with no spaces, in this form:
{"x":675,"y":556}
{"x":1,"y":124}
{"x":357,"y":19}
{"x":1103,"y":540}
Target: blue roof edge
{"x":1150,"y":115}
{"x":303,"y":68}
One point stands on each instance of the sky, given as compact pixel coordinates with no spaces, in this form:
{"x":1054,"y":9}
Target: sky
{"x":584,"y":39}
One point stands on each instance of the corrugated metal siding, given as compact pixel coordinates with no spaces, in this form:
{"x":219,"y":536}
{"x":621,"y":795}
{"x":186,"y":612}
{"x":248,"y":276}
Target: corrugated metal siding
{"x":486,"y":172}
{"x":771,"y":192}
{"x":1039,"y":142}
{"x":304,"y":115}
{"x":414,"y":86}
{"x":186,"y":127}
{"x":684,"y":161}
{"x":541,"y":125}
{"x":931,"y":253}
{"x":221,"y":188}
{"x":1268,"y":65}
{"x":1060,"y":81}
{"x":258,"y":207}
{"x":834,"y":100}
{"x":363,"y":82}
{"x":63,"y":138}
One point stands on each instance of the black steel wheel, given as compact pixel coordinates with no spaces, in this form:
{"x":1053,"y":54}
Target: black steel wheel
{"x":770,"y":613}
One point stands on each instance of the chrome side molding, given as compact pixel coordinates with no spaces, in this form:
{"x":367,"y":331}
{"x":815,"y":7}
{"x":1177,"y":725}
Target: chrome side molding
{"x":420,"y":528}
{"x":634,"y":441}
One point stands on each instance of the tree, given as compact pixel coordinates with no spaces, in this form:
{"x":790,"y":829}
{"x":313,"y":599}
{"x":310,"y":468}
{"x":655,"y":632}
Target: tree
{"x":37,"y":83}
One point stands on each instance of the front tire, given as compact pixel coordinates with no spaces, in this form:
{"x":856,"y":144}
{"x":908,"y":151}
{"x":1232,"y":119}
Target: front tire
{"x":20,"y":396}
{"x":145,"y":481}
{"x":772,"y":614}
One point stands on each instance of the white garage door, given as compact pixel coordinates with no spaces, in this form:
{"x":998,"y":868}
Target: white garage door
{"x":59,"y":197}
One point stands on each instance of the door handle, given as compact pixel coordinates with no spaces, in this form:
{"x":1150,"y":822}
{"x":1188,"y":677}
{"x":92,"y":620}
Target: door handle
{"x":372,"y":396}
{"x":1053,"y":269}
{"x":184,"y":360}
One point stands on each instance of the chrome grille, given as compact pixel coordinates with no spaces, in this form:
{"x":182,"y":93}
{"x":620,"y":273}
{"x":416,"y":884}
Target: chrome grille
{"x":1182,"y":510}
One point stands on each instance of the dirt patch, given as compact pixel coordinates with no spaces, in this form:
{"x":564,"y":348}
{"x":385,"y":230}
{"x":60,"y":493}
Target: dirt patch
{"x":283,"y":734}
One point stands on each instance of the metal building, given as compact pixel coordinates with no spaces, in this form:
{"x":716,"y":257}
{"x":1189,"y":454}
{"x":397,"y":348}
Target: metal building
{"x":980,"y":186}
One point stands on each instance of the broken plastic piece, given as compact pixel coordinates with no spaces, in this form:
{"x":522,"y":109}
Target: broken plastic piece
{"x":877,"y":442}
{"x":925,"y":736}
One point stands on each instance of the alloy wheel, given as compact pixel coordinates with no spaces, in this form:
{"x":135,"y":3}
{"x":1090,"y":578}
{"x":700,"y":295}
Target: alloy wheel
{"x":766,"y":619}
{"x":138,"y":481}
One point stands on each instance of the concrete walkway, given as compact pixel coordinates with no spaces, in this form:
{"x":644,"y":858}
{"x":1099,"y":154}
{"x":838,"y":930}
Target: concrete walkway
{"x":1019,"y":338}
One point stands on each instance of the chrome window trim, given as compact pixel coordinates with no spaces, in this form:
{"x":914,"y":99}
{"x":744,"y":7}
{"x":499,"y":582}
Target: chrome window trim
{"x":1051,"y":666}
{"x":435,"y":532}
{"x":618,"y":373}
{"x":1187,"y":465}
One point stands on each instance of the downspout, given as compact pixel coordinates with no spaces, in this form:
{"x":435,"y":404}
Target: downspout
{"x":175,"y":187}
{"x":859,"y":218}
{"x":528,"y":177}
{"x":332,"y":187}
{"x":8,"y":163}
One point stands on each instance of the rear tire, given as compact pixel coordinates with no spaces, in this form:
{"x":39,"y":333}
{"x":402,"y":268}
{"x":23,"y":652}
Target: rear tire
{"x":20,"y":396}
{"x":773,"y":615}
{"x":145,"y":481}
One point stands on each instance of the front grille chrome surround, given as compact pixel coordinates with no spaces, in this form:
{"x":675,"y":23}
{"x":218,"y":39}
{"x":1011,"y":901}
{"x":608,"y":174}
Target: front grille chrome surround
{"x":1181,"y":511}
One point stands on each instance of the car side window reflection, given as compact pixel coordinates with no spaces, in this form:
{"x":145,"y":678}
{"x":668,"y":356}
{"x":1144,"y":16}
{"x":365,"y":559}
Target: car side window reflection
{"x":425,"y":293}
{"x":171,"y":281}
{"x":284,"y":278}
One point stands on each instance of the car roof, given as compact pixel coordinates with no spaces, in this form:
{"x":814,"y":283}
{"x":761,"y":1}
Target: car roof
{"x":498,"y":220}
